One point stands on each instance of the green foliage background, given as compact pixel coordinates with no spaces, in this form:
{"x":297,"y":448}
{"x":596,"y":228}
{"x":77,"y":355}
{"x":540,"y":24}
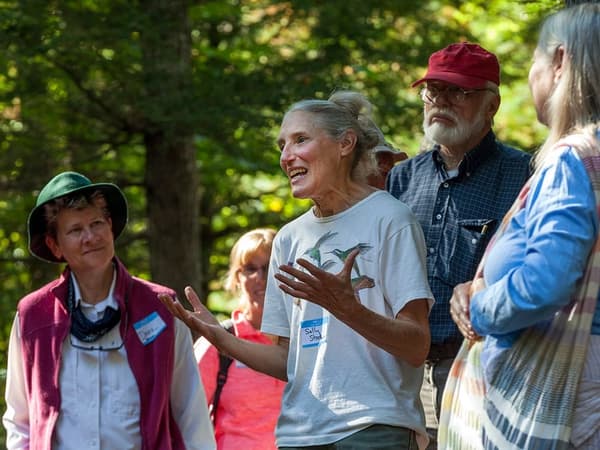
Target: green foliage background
{"x":75,"y":93}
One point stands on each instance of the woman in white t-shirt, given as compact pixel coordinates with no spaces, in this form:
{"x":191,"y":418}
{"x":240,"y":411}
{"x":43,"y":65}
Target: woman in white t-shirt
{"x":347,"y":296}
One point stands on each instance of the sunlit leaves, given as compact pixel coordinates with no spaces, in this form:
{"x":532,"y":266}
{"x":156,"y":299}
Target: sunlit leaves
{"x":78,"y":92}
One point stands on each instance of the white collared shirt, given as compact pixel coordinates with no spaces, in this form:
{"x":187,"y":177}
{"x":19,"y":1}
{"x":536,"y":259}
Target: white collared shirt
{"x":100,"y":406}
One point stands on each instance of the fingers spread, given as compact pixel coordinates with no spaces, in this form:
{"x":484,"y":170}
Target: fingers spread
{"x":310,"y":269}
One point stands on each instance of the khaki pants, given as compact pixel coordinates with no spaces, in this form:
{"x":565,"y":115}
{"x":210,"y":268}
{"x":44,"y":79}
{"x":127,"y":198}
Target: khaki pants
{"x":434,"y":381}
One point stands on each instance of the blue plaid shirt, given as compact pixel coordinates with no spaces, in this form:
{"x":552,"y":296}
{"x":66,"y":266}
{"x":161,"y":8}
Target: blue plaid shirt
{"x":458,"y":214}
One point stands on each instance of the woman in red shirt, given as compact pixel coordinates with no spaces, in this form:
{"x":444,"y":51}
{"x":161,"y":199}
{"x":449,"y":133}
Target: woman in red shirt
{"x":250,"y":401}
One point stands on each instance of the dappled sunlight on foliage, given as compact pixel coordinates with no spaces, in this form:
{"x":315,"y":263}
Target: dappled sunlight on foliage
{"x":107,"y":88}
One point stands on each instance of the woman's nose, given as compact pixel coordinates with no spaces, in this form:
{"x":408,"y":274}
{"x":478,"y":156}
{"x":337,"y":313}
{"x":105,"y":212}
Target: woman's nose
{"x":87,"y":234}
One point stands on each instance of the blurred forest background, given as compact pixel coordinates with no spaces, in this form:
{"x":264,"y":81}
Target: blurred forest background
{"x":178,"y":102}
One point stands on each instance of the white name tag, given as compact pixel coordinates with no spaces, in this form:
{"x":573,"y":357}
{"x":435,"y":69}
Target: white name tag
{"x":149,"y":327}
{"x":312,"y":333}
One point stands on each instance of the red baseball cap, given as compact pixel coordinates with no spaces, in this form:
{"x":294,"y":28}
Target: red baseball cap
{"x":466,"y":65}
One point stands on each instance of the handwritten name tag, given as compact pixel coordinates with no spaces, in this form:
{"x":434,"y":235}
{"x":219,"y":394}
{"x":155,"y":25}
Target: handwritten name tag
{"x":149,"y":327}
{"x":312,"y":333}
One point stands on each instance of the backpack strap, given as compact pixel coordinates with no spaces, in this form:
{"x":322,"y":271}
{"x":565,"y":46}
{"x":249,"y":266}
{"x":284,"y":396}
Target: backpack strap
{"x":224,"y":363}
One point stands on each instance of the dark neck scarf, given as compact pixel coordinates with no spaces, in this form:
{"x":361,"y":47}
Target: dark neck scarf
{"x":84,"y":329}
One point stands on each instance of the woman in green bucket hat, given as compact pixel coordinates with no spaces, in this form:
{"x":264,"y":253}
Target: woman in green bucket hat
{"x":93,"y":356}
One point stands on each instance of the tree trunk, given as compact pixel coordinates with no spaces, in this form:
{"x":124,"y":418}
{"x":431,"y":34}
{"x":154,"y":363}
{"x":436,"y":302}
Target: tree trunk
{"x":174,"y":238}
{"x":171,"y":173}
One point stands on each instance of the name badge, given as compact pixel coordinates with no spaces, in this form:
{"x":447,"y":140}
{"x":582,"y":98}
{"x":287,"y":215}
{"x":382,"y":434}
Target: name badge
{"x":149,"y":327}
{"x":312,"y":332}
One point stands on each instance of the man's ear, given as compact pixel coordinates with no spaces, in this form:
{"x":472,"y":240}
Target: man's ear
{"x":348,"y":142}
{"x":53,"y":246}
{"x":493,"y":107}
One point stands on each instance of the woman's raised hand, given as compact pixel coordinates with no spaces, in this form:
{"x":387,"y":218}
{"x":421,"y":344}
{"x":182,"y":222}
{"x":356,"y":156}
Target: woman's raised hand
{"x":200,"y":320}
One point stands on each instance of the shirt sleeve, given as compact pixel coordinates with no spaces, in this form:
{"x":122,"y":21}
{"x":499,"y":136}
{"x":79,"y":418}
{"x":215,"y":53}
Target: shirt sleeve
{"x":188,"y":400}
{"x":560,"y":227}
{"x":275,"y":320}
{"x":16,"y":417}
{"x":403,"y":282}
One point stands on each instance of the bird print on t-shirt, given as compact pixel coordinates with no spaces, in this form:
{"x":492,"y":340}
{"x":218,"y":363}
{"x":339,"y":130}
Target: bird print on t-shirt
{"x":359,"y":281}
{"x":315,"y":253}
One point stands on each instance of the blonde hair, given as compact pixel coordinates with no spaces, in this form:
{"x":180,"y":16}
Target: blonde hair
{"x":574,"y":105}
{"x":259,"y":240}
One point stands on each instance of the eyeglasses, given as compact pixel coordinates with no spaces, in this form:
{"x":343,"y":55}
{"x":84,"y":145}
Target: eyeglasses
{"x":110,"y":348}
{"x":252,"y":271}
{"x":453,"y":95}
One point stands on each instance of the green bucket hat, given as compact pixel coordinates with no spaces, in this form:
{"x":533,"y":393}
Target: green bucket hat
{"x":69,"y":183}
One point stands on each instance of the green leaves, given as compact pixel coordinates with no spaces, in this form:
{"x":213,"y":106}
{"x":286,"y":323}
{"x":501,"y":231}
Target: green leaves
{"x":90,"y":85}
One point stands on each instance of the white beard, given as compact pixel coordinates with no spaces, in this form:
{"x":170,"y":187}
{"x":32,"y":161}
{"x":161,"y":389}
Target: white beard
{"x":451,"y":136}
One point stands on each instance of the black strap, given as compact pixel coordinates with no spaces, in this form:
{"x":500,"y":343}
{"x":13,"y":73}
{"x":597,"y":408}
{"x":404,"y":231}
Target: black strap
{"x":224,"y":363}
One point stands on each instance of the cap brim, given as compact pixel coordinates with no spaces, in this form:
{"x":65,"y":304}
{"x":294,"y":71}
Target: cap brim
{"x":460,"y":80}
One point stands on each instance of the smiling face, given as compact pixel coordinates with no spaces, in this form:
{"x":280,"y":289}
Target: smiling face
{"x":252,"y":277}
{"x":83,"y":238}
{"x":247,"y":275}
{"x":310,"y":158}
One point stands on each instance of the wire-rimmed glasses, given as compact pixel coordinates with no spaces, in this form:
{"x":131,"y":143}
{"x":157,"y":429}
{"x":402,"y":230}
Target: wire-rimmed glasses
{"x":453,"y":95}
{"x":252,"y":271}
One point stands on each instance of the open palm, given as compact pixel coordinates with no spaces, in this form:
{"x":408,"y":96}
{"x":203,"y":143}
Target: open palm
{"x":200,"y":320}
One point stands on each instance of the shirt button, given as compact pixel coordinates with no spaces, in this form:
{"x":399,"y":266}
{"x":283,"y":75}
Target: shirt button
{"x":446,"y":185}
{"x":473,"y":241}
{"x":431,"y":249}
{"x":438,"y":216}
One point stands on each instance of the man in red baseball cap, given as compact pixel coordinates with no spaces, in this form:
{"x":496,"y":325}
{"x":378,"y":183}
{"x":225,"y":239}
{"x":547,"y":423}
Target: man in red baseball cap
{"x":460,"y":187}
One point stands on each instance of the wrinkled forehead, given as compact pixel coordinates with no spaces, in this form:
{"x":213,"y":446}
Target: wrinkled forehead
{"x":295,"y":122}
{"x":67,"y":218}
